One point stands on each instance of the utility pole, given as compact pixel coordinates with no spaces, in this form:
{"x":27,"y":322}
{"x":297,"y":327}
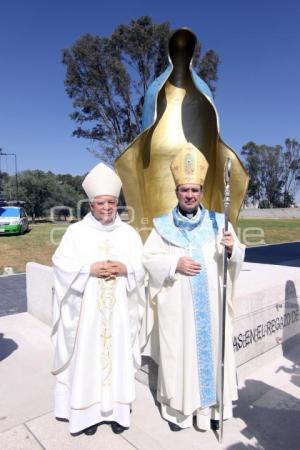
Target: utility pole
{"x":0,"y":178}
{"x":16,"y":171}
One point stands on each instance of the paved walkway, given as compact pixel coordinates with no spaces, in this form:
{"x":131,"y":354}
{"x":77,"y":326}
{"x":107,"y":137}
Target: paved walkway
{"x":13,"y":294}
{"x":267,"y":412}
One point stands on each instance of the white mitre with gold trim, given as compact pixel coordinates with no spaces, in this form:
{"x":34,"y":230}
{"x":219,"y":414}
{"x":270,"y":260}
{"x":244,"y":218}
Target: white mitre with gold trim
{"x":101,"y":180}
{"x":189,"y":166}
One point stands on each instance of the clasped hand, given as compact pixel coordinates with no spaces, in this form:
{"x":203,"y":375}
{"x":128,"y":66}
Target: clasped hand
{"x":188,"y":266}
{"x":108,"y":269}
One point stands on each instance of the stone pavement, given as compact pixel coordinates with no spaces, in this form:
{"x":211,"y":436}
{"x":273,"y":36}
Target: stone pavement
{"x":267,"y":414}
{"x":13,"y":294}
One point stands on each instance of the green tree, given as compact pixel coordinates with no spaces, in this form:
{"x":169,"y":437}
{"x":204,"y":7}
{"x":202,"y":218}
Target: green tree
{"x":69,"y":195}
{"x":74,"y":182}
{"x":274,"y":173}
{"x":4,"y":177}
{"x":107,"y":77}
{"x":42,"y":191}
{"x":290,"y":163}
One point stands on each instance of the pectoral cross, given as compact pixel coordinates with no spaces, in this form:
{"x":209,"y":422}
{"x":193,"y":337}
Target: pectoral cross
{"x":190,"y":248}
{"x":106,"y":248}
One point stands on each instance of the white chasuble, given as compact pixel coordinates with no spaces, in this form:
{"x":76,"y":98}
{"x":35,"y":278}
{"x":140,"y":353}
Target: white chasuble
{"x":96,"y":323}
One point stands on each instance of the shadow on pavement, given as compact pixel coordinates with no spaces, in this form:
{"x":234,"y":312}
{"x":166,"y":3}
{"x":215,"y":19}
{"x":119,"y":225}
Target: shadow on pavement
{"x":271,"y":415}
{"x":150,"y":369}
{"x":290,"y":347}
{"x":7,"y":346}
{"x":291,"y":352}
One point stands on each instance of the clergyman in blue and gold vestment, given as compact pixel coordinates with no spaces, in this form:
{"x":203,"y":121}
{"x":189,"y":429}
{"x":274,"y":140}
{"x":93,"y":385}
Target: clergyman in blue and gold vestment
{"x":184,"y":258}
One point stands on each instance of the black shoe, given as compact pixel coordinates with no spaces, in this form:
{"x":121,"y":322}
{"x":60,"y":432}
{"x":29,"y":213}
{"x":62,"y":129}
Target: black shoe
{"x":61,"y":419}
{"x":174,"y":427}
{"x":214,"y":424}
{"x":90,"y":430}
{"x":117,"y":428}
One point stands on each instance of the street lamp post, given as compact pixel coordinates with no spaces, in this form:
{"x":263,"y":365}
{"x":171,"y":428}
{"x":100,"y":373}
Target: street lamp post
{"x":0,"y":178}
{"x":16,"y":171}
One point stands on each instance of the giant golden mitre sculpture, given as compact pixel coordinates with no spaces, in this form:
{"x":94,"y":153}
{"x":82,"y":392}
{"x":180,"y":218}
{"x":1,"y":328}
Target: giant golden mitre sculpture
{"x":178,"y":108}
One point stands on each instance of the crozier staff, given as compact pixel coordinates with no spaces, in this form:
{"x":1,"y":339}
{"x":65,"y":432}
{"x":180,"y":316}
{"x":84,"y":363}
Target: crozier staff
{"x":184,"y":258}
{"x":99,"y":300}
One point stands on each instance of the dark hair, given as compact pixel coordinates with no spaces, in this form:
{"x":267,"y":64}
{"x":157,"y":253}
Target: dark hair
{"x":176,"y":190}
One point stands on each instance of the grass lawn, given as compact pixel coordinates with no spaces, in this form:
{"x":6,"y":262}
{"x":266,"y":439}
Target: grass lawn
{"x":40,"y":243}
{"x":268,"y":231}
{"x":37,"y":245}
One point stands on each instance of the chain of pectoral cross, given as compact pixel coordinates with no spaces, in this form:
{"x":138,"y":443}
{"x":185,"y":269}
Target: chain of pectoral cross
{"x":106,"y":247}
{"x":190,"y":247}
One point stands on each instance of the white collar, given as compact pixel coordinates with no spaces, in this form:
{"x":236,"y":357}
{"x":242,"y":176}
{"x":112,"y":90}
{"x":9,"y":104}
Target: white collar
{"x":90,"y":220}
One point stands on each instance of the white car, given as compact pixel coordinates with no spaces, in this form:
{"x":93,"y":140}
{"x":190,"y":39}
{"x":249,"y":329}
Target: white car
{"x":13,"y":220}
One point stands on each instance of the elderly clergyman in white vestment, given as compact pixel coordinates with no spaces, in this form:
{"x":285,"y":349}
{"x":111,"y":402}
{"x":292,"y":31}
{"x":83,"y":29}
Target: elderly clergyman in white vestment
{"x":184,"y":258}
{"x":99,"y":301}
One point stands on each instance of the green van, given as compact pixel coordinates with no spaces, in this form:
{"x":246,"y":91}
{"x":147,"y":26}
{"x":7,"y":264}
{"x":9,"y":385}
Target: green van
{"x":13,"y":220}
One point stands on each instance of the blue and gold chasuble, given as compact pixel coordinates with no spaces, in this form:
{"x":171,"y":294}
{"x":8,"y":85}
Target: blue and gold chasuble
{"x":192,"y":234}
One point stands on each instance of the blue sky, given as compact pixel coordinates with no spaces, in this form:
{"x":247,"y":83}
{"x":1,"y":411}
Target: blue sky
{"x":258,"y":94}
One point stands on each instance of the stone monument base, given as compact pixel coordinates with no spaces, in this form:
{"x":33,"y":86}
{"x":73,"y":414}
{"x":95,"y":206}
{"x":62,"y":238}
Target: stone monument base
{"x":267,"y":302}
